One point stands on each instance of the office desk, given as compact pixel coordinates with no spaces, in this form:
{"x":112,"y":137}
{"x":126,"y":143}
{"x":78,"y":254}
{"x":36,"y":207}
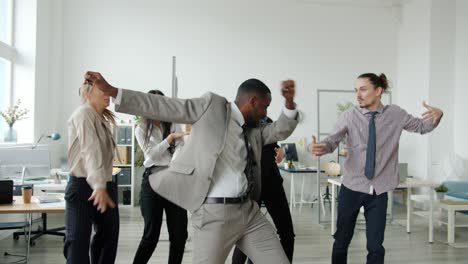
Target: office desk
{"x":18,"y":207}
{"x":409,"y":184}
{"x":44,"y":187}
{"x":40,"y":188}
{"x":292,"y":192}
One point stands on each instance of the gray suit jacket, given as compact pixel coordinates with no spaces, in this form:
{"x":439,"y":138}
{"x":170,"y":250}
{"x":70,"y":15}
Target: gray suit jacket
{"x":187,"y":179}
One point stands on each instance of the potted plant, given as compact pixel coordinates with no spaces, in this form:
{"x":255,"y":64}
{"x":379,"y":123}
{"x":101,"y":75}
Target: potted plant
{"x":11,"y":115}
{"x":440,"y":191}
{"x":340,"y":109}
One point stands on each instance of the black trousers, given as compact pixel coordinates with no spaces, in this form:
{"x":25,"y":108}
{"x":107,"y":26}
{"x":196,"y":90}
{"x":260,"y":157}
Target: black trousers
{"x":276,"y":203}
{"x":80,"y":216}
{"x":152,"y":206}
{"x":375,"y":212}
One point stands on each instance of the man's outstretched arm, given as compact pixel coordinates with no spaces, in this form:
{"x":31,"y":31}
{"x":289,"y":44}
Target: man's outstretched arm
{"x":429,"y":120}
{"x":150,"y":105}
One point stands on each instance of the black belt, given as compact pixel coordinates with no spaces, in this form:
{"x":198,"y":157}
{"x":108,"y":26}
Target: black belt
{"x":227,"y":200}
{"x":148,"y":171}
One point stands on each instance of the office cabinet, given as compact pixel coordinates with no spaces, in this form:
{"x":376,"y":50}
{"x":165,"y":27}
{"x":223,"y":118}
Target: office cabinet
{"x":125,"y":141}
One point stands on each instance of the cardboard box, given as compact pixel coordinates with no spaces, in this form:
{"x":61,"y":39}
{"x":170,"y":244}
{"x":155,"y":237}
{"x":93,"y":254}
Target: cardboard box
{"x":124,"y":153}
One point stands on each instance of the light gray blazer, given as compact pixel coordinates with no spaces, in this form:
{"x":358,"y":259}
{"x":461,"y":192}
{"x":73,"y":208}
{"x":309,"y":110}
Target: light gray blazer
{"x":187,"y":179}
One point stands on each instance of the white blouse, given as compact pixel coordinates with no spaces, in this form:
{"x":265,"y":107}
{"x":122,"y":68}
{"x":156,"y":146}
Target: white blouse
{"x":156,"y":150}
{"x":91,"y":146}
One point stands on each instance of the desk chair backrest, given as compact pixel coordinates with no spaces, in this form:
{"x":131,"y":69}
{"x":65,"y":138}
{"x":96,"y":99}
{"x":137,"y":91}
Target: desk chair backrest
{"x":332,"y":169}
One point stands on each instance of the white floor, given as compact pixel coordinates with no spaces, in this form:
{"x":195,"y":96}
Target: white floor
{"x":313,"y":242}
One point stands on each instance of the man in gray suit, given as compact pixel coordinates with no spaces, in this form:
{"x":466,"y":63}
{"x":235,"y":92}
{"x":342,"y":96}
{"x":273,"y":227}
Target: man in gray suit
{"x":218,"y":171}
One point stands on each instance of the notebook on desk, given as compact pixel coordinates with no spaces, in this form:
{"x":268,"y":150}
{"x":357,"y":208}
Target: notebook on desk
{"x":48,"y":199}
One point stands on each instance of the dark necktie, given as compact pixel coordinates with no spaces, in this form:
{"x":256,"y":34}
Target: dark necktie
{"x":249,"y":168}
{"x":370,"y":155}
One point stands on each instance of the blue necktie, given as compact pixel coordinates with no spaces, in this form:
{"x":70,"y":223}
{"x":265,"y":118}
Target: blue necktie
{"x":370,"y":155}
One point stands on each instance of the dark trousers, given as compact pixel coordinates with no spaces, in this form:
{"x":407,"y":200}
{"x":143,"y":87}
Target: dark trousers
{"x":80,"y":216}
{"x":375,"y":212}
{"x":276,"y":203}
{"x":152,"y":206}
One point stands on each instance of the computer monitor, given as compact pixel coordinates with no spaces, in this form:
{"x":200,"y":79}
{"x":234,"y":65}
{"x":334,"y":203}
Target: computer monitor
{"x":290,"y":152}
{"x":6,"y":191}
{"x":23,"y":164}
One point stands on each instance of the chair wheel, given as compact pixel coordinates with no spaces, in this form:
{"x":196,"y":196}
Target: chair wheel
{"x":15,"y":236}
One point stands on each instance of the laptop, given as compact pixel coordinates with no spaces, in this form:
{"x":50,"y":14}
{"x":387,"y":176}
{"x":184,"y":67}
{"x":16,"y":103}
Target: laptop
{"x":6,"y":191}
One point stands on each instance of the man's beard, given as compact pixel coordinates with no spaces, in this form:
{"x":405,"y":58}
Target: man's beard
{"x":363,"y":105}
{"x":251,"y":122}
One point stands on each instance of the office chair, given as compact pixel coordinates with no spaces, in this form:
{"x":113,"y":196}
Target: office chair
{"x":331,"y":169}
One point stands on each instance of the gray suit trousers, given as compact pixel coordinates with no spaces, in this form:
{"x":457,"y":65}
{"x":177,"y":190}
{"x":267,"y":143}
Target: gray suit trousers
{"x":218,"y":227}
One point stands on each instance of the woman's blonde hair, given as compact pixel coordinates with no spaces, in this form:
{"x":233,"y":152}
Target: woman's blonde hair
{"x":85,"y":90}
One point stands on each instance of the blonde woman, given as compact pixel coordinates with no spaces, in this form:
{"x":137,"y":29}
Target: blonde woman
{"x":91,"y":196}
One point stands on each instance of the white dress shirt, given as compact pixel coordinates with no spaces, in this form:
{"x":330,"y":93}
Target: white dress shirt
{"x":156,"y":150}
{"x":229,"y":179}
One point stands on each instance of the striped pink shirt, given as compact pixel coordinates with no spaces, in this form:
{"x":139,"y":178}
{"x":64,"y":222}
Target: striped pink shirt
{"x":390,"y":121}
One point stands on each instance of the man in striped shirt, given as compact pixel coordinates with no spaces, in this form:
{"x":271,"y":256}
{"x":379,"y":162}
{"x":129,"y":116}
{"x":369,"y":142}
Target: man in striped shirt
{"x":372,"y":132}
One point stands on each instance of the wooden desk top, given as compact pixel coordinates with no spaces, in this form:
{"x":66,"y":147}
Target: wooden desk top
{"x":19,"y":207}
{"x":454,"y":202}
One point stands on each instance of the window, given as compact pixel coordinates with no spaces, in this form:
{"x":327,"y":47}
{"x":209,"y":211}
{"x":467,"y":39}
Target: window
{"x":4,"y":83}
{"x":5,"y":21}
{"x":6,"y":58}
{"x":18,"y":32}
{"x":5,"y":70}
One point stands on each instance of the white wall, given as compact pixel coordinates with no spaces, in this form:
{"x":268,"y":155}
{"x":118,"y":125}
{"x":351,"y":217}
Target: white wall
{"x":48,"y":96}
{"x":432,"y":65}
{"x":441,"y":86}
{"x":460,"y":130}
{"x":218,"y":44}
{"x":413,"y":79}
{"x":221,"y":43}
